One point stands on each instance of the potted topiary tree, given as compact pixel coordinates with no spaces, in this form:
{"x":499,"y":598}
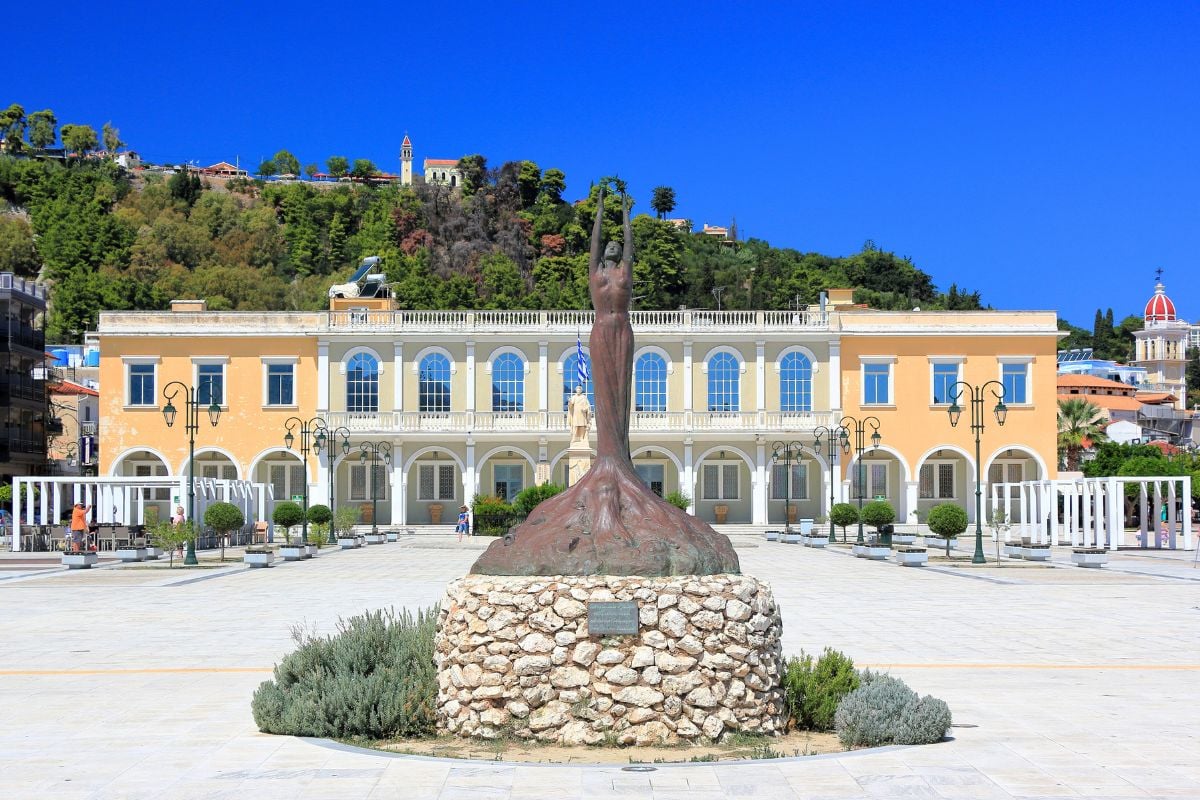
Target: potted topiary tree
{"x":877,"y":514}
{"x":344,"y":520}
{"x":947,"y":521}
{"x":287,"y":515}
{"x":843,"y":515}
{"x":319,"y":517}
{"x":224,"y":518}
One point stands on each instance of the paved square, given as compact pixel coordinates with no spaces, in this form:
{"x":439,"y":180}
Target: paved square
{"x":134,"y":682}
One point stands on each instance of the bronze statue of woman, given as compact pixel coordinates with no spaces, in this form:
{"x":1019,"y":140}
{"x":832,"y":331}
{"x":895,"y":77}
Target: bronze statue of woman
{"x":610,"y":523}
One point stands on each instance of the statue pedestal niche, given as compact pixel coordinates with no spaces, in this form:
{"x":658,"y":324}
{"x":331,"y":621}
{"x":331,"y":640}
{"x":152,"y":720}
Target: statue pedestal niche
{"x":579,"y":461}
{"x":516,"y":657}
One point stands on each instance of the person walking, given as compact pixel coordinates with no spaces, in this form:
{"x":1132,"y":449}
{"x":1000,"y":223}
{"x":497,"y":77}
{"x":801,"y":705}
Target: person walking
{"x":464,"y":522}
{"x":79,"y":526}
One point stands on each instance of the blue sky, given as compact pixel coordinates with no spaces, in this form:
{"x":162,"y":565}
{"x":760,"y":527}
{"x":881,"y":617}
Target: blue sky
{"x":1043,"y":153}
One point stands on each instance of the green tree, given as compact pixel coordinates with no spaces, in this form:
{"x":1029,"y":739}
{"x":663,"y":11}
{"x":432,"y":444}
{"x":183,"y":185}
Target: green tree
{"x":1191,"y":375}
{"x":310,"y":170}
{"x":43,"y":128}
{"x":319,"y":514}
{"x":363,"y":169}
{"x":878,"y":513}
{"x":12,"y":127}
{"x":224,"y":518}
{"x":286,"y":515}
{"x":286,"y":163}
{"x":79,"y":139}
{"x":474,"y":173}
{"x":112,"y":138}
{"x":843,"y":515}
{"x":662,"y":200}
{"x":529,"y":182}
{"x":185,"y":185}
{"x":17,"y":252}
{"x":947,"y":520}
{"x":268,"y":168}
{"x":1079,"y":422}
{"x":554,"y":183}
{"x":338,"y":166}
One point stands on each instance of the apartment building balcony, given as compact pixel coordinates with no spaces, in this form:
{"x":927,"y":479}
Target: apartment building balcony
{"x":570,"y":322}
{"x":545,"y":422}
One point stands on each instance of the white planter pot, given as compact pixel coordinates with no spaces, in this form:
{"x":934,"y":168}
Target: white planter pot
{"x":392,"y":536}
{"x":1035,"y":553}
{"x":311,"y":551}
{"x":376,"y":538}
{"x":912,"y":558}
{"x":772,"y":536}
{"x":1013,"y":550}
{"x":79,"y":560}
{"x":153,"y":553}
{"x":940,"y":543}
{"x":790,"y":538}
{"x":815,"y":541}
{"x":877,"y":552}
{"x":903,"y":538}
{"x":1090,"y":560}
{"x":806,"y":526}
{"x":347,"y":542}
{"x":259,"y":559}
{"x":291,"y":552}
{"x":128,"y":554}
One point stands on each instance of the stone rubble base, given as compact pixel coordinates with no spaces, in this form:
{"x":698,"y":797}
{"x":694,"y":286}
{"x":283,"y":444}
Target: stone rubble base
{"x":515,"y":659}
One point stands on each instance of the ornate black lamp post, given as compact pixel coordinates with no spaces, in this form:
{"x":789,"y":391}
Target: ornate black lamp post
{"x":191,"y":408}
{"x":313,"y":435}
{"x":377,"y":451}
{"x":343,"y":432}
{"x":786,"y":452}
{"x":976,"y":395}
{"x":858,"y":427}
{"x":837,"y":439}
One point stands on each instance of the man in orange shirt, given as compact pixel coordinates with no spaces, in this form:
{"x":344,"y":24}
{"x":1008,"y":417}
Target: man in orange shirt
{"x":79,"y":526}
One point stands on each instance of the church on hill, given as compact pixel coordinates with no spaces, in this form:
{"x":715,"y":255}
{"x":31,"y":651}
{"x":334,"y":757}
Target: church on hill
{"x":442,"y":171}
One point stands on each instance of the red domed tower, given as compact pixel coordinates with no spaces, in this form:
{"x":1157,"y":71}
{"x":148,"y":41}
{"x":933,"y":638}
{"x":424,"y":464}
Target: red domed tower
{"x":1161,"y":346}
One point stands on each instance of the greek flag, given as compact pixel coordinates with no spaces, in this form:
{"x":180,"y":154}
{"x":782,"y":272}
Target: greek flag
{"x":583,"y":372}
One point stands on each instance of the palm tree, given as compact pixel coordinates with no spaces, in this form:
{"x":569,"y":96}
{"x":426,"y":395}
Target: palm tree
{"x":1078,"y":420}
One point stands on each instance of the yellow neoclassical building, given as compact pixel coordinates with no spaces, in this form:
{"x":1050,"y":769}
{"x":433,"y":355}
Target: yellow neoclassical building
{"x":474,"y":402}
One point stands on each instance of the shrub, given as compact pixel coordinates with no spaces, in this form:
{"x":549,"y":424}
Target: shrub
{"x":493,"y":516}
{"x":375,"y":678}
{"x":883,"y":710}
{"x":224,"y":517}
{"x":947,"y":521}
{"x":878,"y":513}
{"x":344,"y":519}
{"x":318,"y":533}
{"x":843,"y":515}
{"x":527,"y":499}
{"x":169,"y":537}
{"x":679,"y":499}
{"x":319,"y":514}
{"x":813,"y":690}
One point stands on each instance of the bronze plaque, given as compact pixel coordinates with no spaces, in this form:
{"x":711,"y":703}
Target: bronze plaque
{"x":612,"y":618}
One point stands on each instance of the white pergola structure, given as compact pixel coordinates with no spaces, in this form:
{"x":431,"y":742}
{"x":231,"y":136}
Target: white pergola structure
{"x":1093,"y":511}
{"x":122,"y":500}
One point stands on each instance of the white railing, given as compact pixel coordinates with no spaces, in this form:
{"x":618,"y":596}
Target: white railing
{"x":571,"y":321}
{"x":554,"y":421}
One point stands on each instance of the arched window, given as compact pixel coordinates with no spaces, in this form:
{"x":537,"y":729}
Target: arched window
{"x":650,"y":383}
{"x":571,"y":379}
{"x":362,"y":383}
{"x":724,"y":374}
{"x":795,"y":382}
{"x":508,"y":383}
{"x":433,"y":384}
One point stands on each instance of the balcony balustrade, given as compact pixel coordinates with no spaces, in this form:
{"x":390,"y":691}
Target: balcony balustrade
{"x":571,"y":321}
{"x":541,"y":422}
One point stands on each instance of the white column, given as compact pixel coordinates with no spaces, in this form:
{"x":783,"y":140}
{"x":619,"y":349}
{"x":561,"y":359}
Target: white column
{"x":322,"y":377}
{"x":758,"y":510}
{"x":398,"y":376}
{"x":835,"y":376}
{"x":396,"y":481}
{"x":1052,"y":494}
{"x":1116,"y":514}
{"x":544,"y":377}
{"x":469,"y":478}
{"x":470,"y":375}
{"x":910,"y":499}
{"x":1098,"y":515}
{"x":760,"y":379}
{"x":687,"y":375}
{"x":689,"y":475}
{"x":1085,"y":523}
